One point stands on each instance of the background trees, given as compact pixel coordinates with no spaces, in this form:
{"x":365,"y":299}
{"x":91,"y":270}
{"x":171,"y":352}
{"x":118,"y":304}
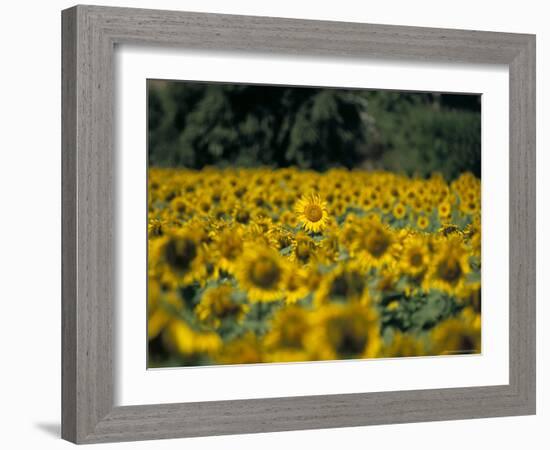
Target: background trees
{"x":198,"y":124}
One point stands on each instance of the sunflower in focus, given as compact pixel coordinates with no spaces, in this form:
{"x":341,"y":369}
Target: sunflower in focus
{"x":312,"y":212}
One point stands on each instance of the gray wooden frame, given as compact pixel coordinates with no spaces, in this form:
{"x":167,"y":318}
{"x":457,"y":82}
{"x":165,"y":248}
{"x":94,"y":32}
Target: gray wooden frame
{"x":89,"y":35}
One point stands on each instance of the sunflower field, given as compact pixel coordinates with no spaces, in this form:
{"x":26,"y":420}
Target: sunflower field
{"x":283,"y":265}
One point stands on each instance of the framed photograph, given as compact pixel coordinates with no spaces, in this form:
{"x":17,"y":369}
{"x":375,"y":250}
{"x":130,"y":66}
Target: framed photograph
{"x":277,"y":224}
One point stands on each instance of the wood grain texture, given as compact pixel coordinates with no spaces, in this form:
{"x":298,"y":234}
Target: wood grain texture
{"x":89,"y":36}
{"x":68,"y":225}
{"x":522,"y":282}
{"x":88,"y":210}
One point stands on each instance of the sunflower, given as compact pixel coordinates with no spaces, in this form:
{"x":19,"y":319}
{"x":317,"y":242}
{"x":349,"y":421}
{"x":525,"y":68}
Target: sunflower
{"x":287,"y":332}
{"x":160,"y":310}
{"x":179,"y":205}
{"x":404,"y":345}
{"x":229,"y":245}
{"x":186,"y":341}
{"x":422,"y":222}
{"x":303,"y":248}
{"x":358,"y":242}
{"x":415,"y":257}
{"x":289,"y":219}
{"x":399,"y":211}
{"x":296,"y":285}
{"x":375,"y":244}
{"x":444,"y":210}
{"x":344,"y":284}
{"x":312,"y":212}
{"x":386,"y":203}
{"x":449,"y":267}
{"x":261,"y":273}
{"x":217,"y":305}
{"x":366,"y":201}
{"x":388,"y":277}
{"x":470,"y":207}
{"x":279,"y":237}
{"x":457,"y":335}
{"x":243,"y":350}
{"x":181,"y":252}
{"x":349,"y":233}
{"x":344,"y":331}
{"x":155,"y":227}
{"x":330,"y":247}
{"x":448,"y":229}
{"x":154,"y":292}
{"x":475,"y":242}
{"x":241,"y":214}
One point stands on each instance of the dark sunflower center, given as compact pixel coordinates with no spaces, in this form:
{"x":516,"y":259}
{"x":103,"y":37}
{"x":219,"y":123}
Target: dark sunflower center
{"x":351,"y":345}
{"x":226,"y":308}
{"x":293,"y":284}
{"x":347,"y":341}
{"x":377,"y":243}
{"x":449,"y":270}
{"x":180,"y":253}
{"x":242,"y":217}
{"x":449,"y":229}
{"x":347,"y":285}
{"x":467,"y":344}
{"x":156,"y":228}
{"x":416,"y":259}
{"x":303,"y":251}
{"x":314,"y":213}
{"x":180,"y":207}
{"x":284,"y":241}
{"x":240,"y":192}
{"x":292,"y":332}
{"x":265,"y":273}
{"x":231,"y":247}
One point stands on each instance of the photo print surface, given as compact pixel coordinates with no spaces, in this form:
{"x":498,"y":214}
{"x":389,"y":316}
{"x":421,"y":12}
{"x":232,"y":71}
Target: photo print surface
{"x":292,"y":224}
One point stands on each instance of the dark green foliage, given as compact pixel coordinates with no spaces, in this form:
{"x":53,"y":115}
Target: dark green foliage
{"x":425,"y":133}
{"x":419,"y":313}
{"x":195,"y":125}
{"x":200,"y":124}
